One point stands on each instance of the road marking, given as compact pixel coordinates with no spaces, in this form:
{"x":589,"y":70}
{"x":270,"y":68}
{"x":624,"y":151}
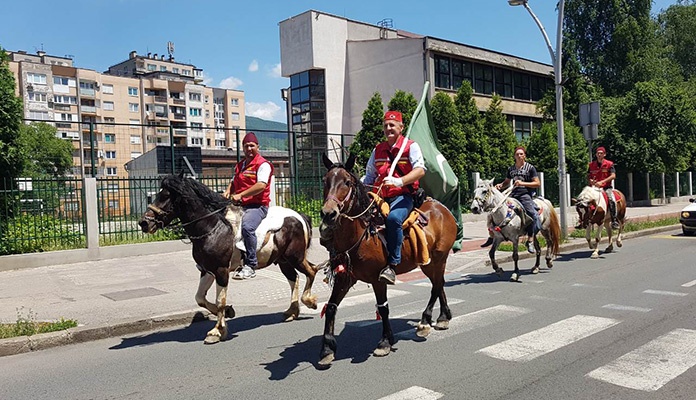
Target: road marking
{"x":355,"y":300}
{"x":545,"y":340}
{"x":471,"y":321}
{"x":625,"y":308}
{"x":467,"y":265}
{"x":665,"y":292}
{"x":405,"y":313}
{"x":652,"y":365}
{"x":689,"y":284}
{"x":585,"y":285}
{"x":414,"y":393}
{"x":544,"y":298}
{"x":671,"y":237}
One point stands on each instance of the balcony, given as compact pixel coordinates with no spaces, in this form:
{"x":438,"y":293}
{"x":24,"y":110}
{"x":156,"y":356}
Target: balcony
{"x":87,"y":92}
{"x":179,"y":102}
{"x":160,"y":99}
{"x":179,"y":132}
{"x":88,"y":109}
{"x":180,"y":116}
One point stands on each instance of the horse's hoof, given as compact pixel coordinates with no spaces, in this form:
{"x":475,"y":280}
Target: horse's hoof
{"x":499,"y":272}
{"x":442,"y":325}
{"x":535,"y":270}
{"x":620,"y":244}
{"x":229,"y":312}
{"x":326,"y":361}
{"x":549,"y":265}
{"x":211,"y":339}
{"x":594,"y":256}
{"x":311,"y":302}
{"x":382,"y":351}
{"x":514,"y":277}
{"x":289,"y":316}
{"x":422,"y":331}
{"x":609,"y":249}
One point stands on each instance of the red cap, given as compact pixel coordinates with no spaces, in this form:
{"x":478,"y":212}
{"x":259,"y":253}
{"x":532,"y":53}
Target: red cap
{"x":602,"y":149}
{"x":250,"y":138}
{"x":393,"y":116}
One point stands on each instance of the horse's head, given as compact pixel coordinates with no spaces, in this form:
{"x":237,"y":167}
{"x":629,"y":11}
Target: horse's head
{"x":586,"y":204}
{"x":160,"y":213}
{"x":340,"y":189}
{"x":484,"y":195}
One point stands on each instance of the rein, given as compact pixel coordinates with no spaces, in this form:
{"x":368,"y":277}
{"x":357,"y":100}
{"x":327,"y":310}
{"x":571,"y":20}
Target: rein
{"x":184,"y":225}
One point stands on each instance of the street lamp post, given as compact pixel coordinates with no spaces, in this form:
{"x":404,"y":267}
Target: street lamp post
{"x":556,"y":60}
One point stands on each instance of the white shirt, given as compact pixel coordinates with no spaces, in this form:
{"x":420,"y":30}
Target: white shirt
{"x":415,"y":157}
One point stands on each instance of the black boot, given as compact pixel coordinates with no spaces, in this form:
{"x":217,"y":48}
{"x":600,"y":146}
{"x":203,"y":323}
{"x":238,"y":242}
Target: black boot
{"x":488,"y":242}
{"x":612,"y":211}
{"x":388,"y":275}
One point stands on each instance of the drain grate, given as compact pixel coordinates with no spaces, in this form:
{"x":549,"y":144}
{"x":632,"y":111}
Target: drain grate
{"x":133,"y":294}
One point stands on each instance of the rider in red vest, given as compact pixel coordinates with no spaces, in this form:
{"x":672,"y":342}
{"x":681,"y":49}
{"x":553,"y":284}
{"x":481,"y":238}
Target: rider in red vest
{"x":251,"y":189}
{"x":601,"y":173}
{"x":396,"y":189}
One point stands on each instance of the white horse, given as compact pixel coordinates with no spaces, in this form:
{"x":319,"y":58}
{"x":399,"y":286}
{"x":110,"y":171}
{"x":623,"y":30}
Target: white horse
{"x":592,"y":211}
{"x":504,"y":214}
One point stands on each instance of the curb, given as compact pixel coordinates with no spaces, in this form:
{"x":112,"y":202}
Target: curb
{"x":81,"y":334}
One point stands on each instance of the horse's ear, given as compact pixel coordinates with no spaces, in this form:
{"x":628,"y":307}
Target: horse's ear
{"x":490,"y":181}
{"x":351,"y":162}
{"x":181,"y":174}
{"x":327,"y":162}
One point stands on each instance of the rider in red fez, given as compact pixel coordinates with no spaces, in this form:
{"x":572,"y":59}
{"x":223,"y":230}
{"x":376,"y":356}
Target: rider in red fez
{"x":601,"y":173}
{"x":397,"y":189}
{"x":250,"y":188}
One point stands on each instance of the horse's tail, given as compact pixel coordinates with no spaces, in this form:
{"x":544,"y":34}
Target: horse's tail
{"x":554,"y":231}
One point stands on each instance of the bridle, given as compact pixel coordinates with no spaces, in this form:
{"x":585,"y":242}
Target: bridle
{"x":350,"y":200}
{"x":158,"y":215}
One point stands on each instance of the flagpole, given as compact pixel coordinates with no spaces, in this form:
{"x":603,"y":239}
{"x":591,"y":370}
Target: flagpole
{"x":410,"y":125}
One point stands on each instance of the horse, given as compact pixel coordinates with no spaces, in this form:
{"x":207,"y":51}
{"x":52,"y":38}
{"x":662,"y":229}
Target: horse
{"x":592,"y":209}
{"x":349,"y":232}
{"x":213,"y":224}
{"x":505,"y":215}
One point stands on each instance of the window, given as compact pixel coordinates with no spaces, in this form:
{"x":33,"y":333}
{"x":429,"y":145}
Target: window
{"x":503,"y":82}
{"x":187,"y":72}
{"x":134,"y":122}
{"x":196,"y":126}
{"x":135,"y":154}
{"x":521,"y":86}
{"x":196,"y":141}
{"x":59,"y":80}
{"x":64,"y":99}
{"x":163,"y":68}
{"x":442,"y":72}
{"x":132,"y":91}
{"x":175,"y":70}
{"x":36,"y":96}
{"x":195,"y":112}
{"x":86,"y":85}
{"x":109,"y":138}
{"x":538,"y":85}
{"x":235,"y":116}
{"x":36,"y":78}
{"x":151,"y":67}
{"x":207,"y":113}
{"x":111,"y":171}
{"x":483,"y":79}
{"x":193,"y":96}
{"x":235,"y":101}
{"x":43,"y":115}
{"x":67,"y":117}
{"x":461,"y":71}
{"x":133,"y":107}
{"x":135,"y":139}
{"x":111,"y":154}
{"x":108,"y":89}
{"x":113,"y":203}
{"x":108,"y":105}
{"x":523,"y":128}
{"x":112,"y":187}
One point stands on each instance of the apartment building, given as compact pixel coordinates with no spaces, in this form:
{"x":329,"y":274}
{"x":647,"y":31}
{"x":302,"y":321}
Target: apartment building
{"x":118,"y":115}
{"x":335,"y":65}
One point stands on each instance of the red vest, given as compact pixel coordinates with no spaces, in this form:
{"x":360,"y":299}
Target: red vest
{"x":600,"y":172}
{"x":246,"y":178}
{"x":383,"y":164}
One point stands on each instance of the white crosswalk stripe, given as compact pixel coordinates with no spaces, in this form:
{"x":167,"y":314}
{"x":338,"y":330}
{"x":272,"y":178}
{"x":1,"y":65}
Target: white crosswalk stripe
{"x":625,"y":308}
{"x":545,"y":340}
{"x":402,"y":311}
{"x":652,"y":365}
{"x":414,"y":393}
{"x":665,"y":293}
{"x":355,"y":300}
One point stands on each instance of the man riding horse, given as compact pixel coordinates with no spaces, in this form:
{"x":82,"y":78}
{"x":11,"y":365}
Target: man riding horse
{"x":396,"y":190}
{"x":601,"y":173}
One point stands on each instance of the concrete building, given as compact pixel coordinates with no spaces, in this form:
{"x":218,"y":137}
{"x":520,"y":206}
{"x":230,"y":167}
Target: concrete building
{"x":335,"y":65}
{"x":131,"y":108}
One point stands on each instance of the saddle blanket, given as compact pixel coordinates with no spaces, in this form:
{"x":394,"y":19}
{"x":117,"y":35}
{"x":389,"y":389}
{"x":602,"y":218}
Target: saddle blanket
{"x":273,"y":222}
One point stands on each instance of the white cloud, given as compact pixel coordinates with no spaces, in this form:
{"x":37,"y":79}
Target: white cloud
{"x":231,"y":83}
{"x":275,"y":71}
{"x":254,"y":66}
{"x":268,"y":110}
{"x":207,"y":79}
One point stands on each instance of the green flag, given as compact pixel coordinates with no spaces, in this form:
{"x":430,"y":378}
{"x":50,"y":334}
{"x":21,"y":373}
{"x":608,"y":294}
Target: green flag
{"x":439,"y":181}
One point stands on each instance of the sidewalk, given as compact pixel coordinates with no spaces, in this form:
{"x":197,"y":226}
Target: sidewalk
{"x":126,"y":295}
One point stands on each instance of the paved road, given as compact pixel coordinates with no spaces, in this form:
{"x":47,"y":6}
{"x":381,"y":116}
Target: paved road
{"x":621,"y":327}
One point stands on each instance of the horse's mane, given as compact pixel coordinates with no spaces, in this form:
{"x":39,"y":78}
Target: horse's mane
{"x":588,"y":193}
{"x":364,"y":200}
{"x":191,"y":190}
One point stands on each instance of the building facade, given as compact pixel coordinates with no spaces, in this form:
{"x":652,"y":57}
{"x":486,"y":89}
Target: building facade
{"x":134,"y":106}
{"x":335,"y":65}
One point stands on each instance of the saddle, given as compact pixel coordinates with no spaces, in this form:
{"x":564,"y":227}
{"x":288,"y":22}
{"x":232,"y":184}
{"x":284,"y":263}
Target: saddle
{"x":617,"y":196}
{"x":515,"y":207}
{"x":413,"y":230}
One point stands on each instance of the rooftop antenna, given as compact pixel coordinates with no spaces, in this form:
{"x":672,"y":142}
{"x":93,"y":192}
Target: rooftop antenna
{"x":170,"y":49}
{"x":384,"y":25}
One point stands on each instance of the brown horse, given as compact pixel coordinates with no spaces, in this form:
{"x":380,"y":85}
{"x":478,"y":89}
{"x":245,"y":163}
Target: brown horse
{"x":212,"y":224}
{"x":592,"y":209}
{"x":358,"y":254}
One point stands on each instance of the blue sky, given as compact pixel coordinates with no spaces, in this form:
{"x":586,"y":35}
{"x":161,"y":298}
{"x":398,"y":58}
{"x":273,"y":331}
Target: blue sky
{"x":236,"y":43}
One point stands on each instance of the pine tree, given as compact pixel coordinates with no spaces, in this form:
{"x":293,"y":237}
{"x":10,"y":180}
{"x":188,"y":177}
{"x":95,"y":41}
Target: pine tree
{"x":450,"y":137}
{"x":11,"y":111}
{"x":500,"y":137}
{"x":404,"y":102}
{"x":371,"y":133}
{"x":476,"y":150}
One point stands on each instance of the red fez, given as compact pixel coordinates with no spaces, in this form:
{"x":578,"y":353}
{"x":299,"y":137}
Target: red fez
{"x":250,"y":138}
{"x":393,"y":116}
{"x":602,"y":149}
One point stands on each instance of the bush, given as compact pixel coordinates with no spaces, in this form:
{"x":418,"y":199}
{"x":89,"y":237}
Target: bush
{"x":306,"y":205}
{"x":38,"y":233}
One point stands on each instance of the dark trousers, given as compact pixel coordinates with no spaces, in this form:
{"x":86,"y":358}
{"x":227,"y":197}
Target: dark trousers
{"x":530,"y":209}
{"x":253,"y":215}
{"x":399,"y":208}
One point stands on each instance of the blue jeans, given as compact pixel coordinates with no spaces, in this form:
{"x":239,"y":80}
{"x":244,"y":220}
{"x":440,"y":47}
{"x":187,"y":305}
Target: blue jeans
{"x":400,"y":207}
{"x":253,"y":215}
{"x":530,"y":209}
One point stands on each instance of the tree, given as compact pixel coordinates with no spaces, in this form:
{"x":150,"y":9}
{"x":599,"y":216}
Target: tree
{"x":43,"y":154}
{"x":404,"y":102}
{"x":678,"y":29}
{"x":11,"y":111}
{"x":450,"y":137}
{"x":476,"y":152}
{"x":371,"y":133}
{"x":500,"y":137}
